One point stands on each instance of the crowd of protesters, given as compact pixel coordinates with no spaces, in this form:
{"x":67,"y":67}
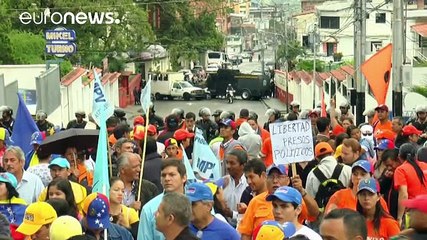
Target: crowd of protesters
{"x":366,"y":181}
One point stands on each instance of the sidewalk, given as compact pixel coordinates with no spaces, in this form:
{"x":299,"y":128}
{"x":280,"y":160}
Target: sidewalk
{"x":274,"y":103}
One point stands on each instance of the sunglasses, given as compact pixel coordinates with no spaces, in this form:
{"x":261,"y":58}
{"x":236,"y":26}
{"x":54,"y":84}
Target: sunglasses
{"x":367,"y":134}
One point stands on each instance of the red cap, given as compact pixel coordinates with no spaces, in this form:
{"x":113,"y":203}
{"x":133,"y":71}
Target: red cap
{"x":417,"y":203}
{"x":337,"y":130}
{"x":382,"y":107}
{"x":409,"y":130}
{"x":182,"y":134}
{"x":139,"y":120}
{"x":152,"y":130}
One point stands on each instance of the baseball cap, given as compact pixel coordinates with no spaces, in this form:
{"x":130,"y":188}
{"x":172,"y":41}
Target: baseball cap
{"x":381,"y":107}
{"x":338,"y":152}
{"x":363,"y":164}
{"x":369,"y":184}
{"x":182,"y":134}
{"x":138,"y":120}
{"x":385,"y":144}
{"x":322,"y":149}
{"x":36,"y":215}
{"x":228,"y":123}
{"x":280,"y":167}
{"x":65,"y":227}
{"x":312,"y":112}
{"x":198,"y":192}
{"x":152,"y":130}
{"x":170,"y":141}
{"x":37,"y":138}
{"x":272,"y":230}
{"x":138,"y":132}
{"x":286,"y":194}
{"x":409,"y":130}
{"x":60,"y":162}
{"x":418,"y":203}
{"x":97,"y":211}
{"x":10,"y":178}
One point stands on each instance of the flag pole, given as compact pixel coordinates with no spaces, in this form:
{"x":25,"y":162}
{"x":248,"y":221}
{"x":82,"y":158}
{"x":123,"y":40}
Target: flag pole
{"x":144,"y":149}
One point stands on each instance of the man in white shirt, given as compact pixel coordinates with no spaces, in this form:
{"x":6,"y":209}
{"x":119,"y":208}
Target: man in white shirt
{"x":29,"y":185}
{"x":323,"y":153}
{"x":287,"y":206}
{"x":234,"y":183}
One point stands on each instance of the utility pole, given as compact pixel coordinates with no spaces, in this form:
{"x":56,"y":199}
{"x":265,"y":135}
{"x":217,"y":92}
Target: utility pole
{"x":275,"y":36}
{"x":314,"y":62}
{"x":262,"y":43}
{"x":285,"y":39}
{"x":359,"y":55}
{"x":397,"y":57}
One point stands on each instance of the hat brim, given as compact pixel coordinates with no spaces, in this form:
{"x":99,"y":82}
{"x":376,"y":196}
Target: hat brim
{"x":410,"y":203}
{"x":367,"y":189}
{"x":92,"y":222}
{"x":286,"y":199}
{"x":358,"y":166}
{"x":52,"y":165}
{"x":193,"y":199}
{"x":28,"y":229}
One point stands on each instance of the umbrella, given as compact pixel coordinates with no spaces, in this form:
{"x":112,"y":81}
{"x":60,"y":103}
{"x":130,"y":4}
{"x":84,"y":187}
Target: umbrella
{"x":79,"y":138}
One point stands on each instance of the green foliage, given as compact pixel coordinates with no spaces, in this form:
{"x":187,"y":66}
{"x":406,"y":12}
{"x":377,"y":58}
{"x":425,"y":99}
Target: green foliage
{"x":422,"y":90}
{"x":116,"y":65}
{"x":290,"y":52}
{"x":307,"y":65}
{"x":65,"y":67}
{"x":26,"y":48}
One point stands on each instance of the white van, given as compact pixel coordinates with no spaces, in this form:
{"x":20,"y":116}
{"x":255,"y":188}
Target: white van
{"x":172,"y":85}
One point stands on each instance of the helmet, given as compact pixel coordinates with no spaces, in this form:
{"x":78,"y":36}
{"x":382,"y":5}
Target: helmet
{"x":345,"y":105}
{"x":41,"y":115}
{"x":295,"y":103}
{"x":204,"y":111}
{"x":217,"y":113}
{"x":421,"y":108}
{"x":304,"y":114}
{"x":229,"y":84}
{"x":80,"y":113}
{"x":273,"y":112}
{"x":253,"y":115}
{"x":178,"y":112}
{"x":6,"y":109}
{"x":118,"y":112}
{"x":227,"y":114}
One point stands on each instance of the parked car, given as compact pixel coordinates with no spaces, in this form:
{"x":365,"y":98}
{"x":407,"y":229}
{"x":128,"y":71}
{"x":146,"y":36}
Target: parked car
{"x":172,"y":89}
{"x":212,"y":68}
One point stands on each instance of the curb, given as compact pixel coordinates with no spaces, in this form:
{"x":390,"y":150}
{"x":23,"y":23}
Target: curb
{"x":265,"y":104}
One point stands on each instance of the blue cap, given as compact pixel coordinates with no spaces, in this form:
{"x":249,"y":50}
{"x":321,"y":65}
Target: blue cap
{"x":60,"y":162}
{"x":198,"y":192}
{"x":280,"y":167}
{"x":363,"y":164}
{"x":385,"y":144}
{"x":286,"y":194}
{"x":36,"y":138}
{"x":369,"y":184}
{"x":10,"y":178}
{"x":289,"y":229}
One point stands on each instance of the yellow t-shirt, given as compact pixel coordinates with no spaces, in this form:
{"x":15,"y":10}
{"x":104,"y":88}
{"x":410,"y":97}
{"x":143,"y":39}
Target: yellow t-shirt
{"x":130,"y":216}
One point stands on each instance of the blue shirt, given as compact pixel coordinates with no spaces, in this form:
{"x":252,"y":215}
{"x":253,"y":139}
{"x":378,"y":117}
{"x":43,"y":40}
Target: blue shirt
{"x":147,"y":222}
{"x":216,"y":230}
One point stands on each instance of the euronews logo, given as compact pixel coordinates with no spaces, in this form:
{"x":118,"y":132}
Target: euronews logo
{"x":57,"y":18}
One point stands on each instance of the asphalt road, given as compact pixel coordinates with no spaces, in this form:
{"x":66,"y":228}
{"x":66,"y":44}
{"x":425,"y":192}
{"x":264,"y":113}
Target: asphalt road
{"x":164,"y":107}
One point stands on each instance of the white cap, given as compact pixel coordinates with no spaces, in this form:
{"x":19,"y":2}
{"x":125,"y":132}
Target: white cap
{"x":421,"y":108}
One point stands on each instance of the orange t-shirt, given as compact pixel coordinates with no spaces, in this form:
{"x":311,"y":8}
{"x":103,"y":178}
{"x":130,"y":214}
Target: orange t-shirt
{"x":260,"y":210}
{"x":239,"y":121}
{"x":264,"y":134}
{"x":345,"y":199}
{"x":267,"y":150}
{"x":382,"y":127}
{"x":388,"y":228}
{"x":405,"y":175}
{"x":257,"y":212}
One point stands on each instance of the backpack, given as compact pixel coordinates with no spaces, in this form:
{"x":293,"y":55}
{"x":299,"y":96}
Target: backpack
{"x":328,"y":186}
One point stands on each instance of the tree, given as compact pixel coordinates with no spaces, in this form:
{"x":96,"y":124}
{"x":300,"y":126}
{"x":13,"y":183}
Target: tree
{"x":307,"y":65}
{"x":289,"y":51}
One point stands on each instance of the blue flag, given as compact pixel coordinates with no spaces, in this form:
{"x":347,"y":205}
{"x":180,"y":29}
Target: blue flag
{"x":101,"y":111}
{"x":146,"y":97}
{"x":190,"y":173}
{"x":23,"y":128}
{"x":205,"y":163}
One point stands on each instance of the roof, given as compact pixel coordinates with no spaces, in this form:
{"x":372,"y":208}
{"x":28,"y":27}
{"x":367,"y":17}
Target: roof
{"x":114,"y":77}
{"x":348,"y":69}
{"x":421,"y":29}
{"x":337,"y":74}
{"x":72,"y":76}
{"x":306,"y":77}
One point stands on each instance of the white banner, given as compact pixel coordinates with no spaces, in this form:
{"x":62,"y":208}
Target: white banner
{"x":205,"y":164}
{"x":292,"y":141}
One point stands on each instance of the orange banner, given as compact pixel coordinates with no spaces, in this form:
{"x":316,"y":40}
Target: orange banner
{"x":377,"y":71}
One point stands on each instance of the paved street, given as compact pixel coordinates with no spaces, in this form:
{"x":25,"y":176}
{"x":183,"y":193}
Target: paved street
{"x":163,"y":108}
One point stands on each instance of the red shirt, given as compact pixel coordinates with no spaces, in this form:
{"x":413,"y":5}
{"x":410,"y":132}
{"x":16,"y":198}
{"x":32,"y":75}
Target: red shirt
{"x":405,"y":175}
{"x":267,"y":150}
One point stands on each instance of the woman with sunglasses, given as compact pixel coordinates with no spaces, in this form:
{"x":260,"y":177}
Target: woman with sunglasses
{"x":11,"y":206}
{"x":379,"y":223}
